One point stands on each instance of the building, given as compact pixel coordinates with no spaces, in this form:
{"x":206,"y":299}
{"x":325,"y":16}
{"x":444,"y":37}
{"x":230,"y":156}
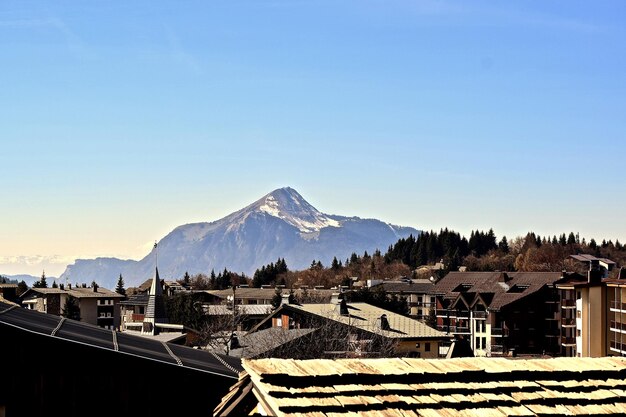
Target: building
{"x":470,"y":387}
{"x":501,"y":313}
{"x":146,"y":315}
{"x":8,"y":292}
{"x":250,"y":295}
{"x":585,"y":306}
{"x":419,"y":296}
{"x":616,"y":317}
{"x":357,"y":329}
{"x":70,"y":368}
{"x":97,"y":305}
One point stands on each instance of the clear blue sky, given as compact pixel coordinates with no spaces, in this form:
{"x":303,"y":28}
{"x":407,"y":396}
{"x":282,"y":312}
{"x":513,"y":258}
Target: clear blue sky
{"x":123,"y":119}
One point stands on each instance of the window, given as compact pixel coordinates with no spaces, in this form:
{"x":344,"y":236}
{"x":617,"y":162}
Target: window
{"x":417,"y":346}
{"x":432,"y":300}
{"x":578,"y":295}
{"x":483,"y":342}
{"x":578,"y":333}
{"x":427,"y":347}
{"x":477,"y":343}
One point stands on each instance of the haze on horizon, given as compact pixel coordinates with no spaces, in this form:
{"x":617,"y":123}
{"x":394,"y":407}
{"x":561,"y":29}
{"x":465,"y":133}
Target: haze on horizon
{"x":121,"y":121}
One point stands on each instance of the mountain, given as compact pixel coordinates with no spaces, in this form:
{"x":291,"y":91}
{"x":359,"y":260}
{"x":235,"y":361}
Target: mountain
{"x":280,"y":224}
{"x":29,"y":279}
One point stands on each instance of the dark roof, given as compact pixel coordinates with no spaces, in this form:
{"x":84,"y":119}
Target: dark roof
{"x":583,"y":257}
{"x":502,"y":288}
{"x":433,"y":387}
{"x":422,"y":286}
{"x":139,"y":299}
{"x":261,"y":341}
{"x":267,"y":293}
{"x":48,"y":325}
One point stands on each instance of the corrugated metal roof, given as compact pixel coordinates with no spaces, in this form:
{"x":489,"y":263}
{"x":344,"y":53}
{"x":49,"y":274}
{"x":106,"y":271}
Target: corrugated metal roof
{"x":48,"y":325}
{"x":436,"y":387}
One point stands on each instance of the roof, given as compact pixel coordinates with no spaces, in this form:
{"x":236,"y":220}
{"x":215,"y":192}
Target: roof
{"x":79,"y":292}
{"x":417,"y":286}
{"x":8,"y":285}
{"x":503,"y":288}
{"x":266,"y":293}
{"x":247,"y":309}
{"x":155,"y":310}
{"x":366,"y":317}
{"x":48,"y":325}
{"x":261,"y":341}
{"x":583,"y":257}
{"x":433,"y":387}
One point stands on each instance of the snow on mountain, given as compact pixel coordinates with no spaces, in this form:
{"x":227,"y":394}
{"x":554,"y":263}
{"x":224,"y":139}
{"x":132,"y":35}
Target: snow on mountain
{"x":280,"y":224}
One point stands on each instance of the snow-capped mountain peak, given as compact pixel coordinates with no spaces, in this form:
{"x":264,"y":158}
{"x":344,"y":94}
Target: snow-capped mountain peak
{"x":287,"y":204}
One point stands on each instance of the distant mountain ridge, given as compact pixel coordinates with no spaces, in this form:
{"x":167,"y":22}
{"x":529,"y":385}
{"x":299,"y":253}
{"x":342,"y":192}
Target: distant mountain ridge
{"x":280,"y":224}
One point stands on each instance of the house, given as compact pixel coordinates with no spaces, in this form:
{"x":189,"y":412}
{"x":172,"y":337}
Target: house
{"x":97,"y":305}
{"x":419,"y":295}
{"x":414,"y":387}
{"x":501,"y":313}
{"x":616,"y":317}
{"x":250,"y":295}
{"x":70,"y":368}
{"x":9,"y":292}
{"x":357,"y":329}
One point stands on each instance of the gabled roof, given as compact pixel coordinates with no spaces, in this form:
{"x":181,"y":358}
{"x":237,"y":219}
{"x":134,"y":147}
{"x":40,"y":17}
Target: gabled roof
{"x":51,"y":326}
{"x":497,"y":284}
{"x":79,"y":292}
{"x":432,"y":387}
{"x":366,"y":317}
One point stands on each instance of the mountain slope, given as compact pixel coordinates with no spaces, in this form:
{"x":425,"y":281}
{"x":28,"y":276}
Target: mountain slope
{"x":280,"y":224}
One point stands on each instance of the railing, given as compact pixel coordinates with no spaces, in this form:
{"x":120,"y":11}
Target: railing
{"x":617,"y":345}
{"x":568,"y":340}
{"x":568,"y":303}
{"x":462,"y":329}
{"x":568,"y":322}
{"x":480,"y":314}
{"x":499,"y":332}
{"x":618,"y":306}
{"x":497,"y":349}
{"x":136,"y":317}
{"x":616,"y":325}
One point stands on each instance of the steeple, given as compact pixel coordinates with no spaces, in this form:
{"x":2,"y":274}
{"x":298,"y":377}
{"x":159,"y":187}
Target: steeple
{"x":155,"y":311}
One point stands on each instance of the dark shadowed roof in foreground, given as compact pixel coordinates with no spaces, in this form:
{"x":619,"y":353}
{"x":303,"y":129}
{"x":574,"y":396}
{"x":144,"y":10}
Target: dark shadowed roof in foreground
{"x":48,"y":325}
{"x":432,"y":387}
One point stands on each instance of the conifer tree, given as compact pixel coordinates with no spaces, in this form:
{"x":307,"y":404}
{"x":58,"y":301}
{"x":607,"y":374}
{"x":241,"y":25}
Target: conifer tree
{"x":120,"y":286}
{"x":71,"y":310}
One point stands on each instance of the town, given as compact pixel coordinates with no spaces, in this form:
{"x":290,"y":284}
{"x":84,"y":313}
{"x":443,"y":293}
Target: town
{"x":529,"y":320}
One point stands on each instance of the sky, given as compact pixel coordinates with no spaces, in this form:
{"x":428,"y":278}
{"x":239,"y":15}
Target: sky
{"x":122,"y":120}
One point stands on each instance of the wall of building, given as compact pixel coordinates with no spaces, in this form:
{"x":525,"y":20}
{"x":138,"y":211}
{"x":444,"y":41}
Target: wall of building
{"x":424,"y":348}
{"x":89,"y":310}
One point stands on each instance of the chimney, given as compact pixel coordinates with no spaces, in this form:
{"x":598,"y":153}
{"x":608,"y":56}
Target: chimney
{"x":69,"y":285}
{"x":334,"y":298}
{"x":594,"y":275}
{"x":284,"y":299}
{"x":95,"y":287}
{"x":342,"y":308}
{"x":383,"y":323}
{"x":622,"y":273}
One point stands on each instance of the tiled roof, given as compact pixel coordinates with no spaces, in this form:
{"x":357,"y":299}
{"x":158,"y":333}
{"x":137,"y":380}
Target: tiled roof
{"x":247,"y":309}
{"x":366,"y":317}
{"x":504,"y":287}
{"x":418,"y":286}
{"x":265,"y":293}
{"x":434,"y":387}
{"x":583,"y":257}
{"x":259,"y":342}
{"x":79,"y":292}
{"x":48,"y":325}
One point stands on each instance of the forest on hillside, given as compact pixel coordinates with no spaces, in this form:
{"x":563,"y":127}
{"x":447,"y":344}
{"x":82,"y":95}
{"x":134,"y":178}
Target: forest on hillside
{"x":415,"y":256}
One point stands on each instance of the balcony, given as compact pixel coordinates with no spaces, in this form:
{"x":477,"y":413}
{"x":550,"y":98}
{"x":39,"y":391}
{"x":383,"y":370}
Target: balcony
{"x":499,"y":332}
{"x":568,"y":304}
{"x":497,"y":349}
{"x":480,"y":314}
{"x":568,"y":341}
{"x":617,"y":326}
{"x":617,"y":346}
{"x":568,"y":322}
{"x":615,"y":305}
